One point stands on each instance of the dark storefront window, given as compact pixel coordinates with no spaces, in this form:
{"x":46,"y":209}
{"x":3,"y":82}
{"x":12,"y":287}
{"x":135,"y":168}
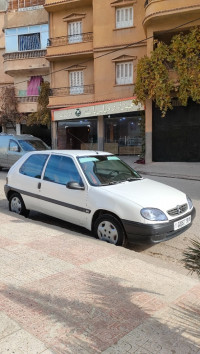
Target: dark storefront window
{"x":78,"y":134}
{"x":123,"y":134}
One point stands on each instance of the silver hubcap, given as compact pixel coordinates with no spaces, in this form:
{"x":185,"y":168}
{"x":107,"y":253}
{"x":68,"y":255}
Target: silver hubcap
{"x":16,"y":205}
{"x":107,"y":232}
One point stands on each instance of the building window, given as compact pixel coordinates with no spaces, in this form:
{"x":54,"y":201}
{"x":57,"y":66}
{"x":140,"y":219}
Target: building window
{"x":124,"y":73}
{"x":29,"y":42}
{"x":75,"y":32}
{"x":124,"y":17}
{"x":76,"y":82}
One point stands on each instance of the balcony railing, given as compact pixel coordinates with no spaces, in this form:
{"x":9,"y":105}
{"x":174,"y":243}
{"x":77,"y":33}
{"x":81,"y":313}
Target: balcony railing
{"x":23,"y":5}
{"x":77,"y":38}
{"x":25,"y":54}
{"x":73,"y":90}
{"x":27,"y":99}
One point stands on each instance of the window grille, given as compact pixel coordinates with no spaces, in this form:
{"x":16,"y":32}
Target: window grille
{"x":29,"y":41}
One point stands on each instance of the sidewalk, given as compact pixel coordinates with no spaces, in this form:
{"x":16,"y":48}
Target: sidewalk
{"x":65,"y":292}
{"x":184,"y":170}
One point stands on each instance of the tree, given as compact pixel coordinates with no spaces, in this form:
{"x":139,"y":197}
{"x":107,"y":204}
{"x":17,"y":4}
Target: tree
{"x":43,"y":114}
{"x":191,"y":258}
{"x":8,"y":109}
{"x":153,"y":80}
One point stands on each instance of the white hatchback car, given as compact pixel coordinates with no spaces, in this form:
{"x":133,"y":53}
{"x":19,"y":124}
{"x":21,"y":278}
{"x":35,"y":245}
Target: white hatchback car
{"x":99,"y":192}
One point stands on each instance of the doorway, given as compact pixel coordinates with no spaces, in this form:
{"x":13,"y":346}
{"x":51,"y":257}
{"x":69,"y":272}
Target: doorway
{"x":77,"y":138}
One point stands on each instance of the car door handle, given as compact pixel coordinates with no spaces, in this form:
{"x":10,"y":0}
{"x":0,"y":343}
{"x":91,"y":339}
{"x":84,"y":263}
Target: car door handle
{"x":39,"y":185}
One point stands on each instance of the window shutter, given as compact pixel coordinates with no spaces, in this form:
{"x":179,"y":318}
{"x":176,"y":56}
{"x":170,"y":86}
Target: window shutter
{"x":76,"y":82}
{"x":124,"y":17}
{"x":75,"y":32}
{"x":124,"y":73}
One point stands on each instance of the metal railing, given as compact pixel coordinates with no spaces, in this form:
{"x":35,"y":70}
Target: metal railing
{"x":24,"y":4}
{"x":25,"y":54}
{"x":77,"y":38}
{"x":73,"y":90}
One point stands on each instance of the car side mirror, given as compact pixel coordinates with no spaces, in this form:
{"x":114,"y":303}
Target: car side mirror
{"x":74,"y":185}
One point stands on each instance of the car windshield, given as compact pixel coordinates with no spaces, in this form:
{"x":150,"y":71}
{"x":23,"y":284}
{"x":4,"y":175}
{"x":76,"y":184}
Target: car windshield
{"x":106,"y":170}
{"x":31,"y":145}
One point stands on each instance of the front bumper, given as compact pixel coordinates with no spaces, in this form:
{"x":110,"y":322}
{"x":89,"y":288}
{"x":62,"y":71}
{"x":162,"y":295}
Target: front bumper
{"x":153,"y":233}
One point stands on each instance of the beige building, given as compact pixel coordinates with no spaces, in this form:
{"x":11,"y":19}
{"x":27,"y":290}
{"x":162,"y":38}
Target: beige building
{"x":93,"y":50}
{"x":26,"y":32}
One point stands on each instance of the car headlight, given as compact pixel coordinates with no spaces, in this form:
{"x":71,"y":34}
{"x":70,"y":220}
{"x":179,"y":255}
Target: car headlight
{"x":189,"y":202}
{"x":153,"y":214}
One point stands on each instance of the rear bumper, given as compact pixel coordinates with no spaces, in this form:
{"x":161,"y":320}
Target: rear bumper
{"x":154,"y":233}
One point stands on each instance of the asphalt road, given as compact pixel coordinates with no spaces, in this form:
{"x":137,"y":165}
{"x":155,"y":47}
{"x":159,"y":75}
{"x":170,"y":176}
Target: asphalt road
{"x":170,"y":251}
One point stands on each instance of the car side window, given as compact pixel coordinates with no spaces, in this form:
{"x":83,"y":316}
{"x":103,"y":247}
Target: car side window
{"x":13,"y":146}
{"x":61,"y":170}
{"x":33,"y":166}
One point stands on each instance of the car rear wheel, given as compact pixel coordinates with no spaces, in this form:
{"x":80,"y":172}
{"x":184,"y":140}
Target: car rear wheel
{"x":108,"y":228}
{"x":16,"y":205}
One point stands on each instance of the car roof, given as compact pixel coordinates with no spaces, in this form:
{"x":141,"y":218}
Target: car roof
{"x":19,"y":137}
{"x":74,"y":153}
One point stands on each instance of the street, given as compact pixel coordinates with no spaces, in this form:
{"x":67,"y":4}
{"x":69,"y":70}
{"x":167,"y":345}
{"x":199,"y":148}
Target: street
{"x":170,"y":251}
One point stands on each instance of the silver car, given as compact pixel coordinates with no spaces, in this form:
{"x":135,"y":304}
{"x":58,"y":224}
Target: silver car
{"x":12,"y":147}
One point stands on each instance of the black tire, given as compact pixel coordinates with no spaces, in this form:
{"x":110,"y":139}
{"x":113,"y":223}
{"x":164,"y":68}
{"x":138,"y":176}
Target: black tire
{"x":16,"y":205}
{"x":108,"y":228}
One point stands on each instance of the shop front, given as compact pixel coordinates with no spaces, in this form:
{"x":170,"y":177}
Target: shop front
{"x":114,"y":126}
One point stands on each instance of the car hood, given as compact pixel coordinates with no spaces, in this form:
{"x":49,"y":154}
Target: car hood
{"x":148,"y":193}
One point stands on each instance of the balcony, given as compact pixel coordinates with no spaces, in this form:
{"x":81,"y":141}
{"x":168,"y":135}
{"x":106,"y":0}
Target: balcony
{"x":73,"y":90}
{"x":64,"y":96}
{"x":25,"y":5}
{"x":74,"y":45}
{"x":58,"y":5}
{"x":26,"y":61}
{"x":26,"y":104}
{"x":157,"y":9}
{"x":83,"y":37}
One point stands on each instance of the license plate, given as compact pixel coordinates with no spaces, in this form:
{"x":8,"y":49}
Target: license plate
{"x":181,"y":223}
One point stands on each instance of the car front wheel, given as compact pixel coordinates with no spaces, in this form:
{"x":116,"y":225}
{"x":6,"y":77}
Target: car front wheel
{"x":108,"y":228}
{"x":16,"y":205}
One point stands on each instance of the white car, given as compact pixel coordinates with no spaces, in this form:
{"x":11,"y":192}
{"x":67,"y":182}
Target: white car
{"x":99,"y":192}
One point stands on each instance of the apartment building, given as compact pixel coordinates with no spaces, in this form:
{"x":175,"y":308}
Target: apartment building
{"x":26,"y":33}
{"x":93,"y":50}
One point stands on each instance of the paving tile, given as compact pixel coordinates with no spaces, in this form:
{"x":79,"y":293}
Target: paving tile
{"x":164,"y":284}
{"x":7,"y":326}
{"x":74,"y":251}
{"x":21,"y":342}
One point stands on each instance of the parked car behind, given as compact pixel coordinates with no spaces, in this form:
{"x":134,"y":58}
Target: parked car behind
{"x":12,"y":147}
{"x":99,"y":192}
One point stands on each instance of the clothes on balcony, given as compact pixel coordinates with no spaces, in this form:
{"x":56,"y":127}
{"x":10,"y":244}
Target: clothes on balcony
{"x":29,"y":41}
{"x":34,"y":86}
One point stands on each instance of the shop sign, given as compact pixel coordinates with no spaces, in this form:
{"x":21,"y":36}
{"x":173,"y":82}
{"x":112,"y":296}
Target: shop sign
{"x":97,"y":110}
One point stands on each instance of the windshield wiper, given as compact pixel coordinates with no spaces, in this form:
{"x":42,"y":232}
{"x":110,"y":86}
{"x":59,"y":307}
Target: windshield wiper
{"x":130,"y":179}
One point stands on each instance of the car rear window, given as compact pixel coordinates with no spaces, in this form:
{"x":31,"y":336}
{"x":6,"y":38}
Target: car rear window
{"x":34,"y":165}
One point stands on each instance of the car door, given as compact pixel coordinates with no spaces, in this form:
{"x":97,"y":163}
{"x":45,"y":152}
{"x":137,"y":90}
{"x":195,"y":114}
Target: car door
{"x":58,"y":200}
{"x":14,"y":152}
{"x":28,"y":180}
